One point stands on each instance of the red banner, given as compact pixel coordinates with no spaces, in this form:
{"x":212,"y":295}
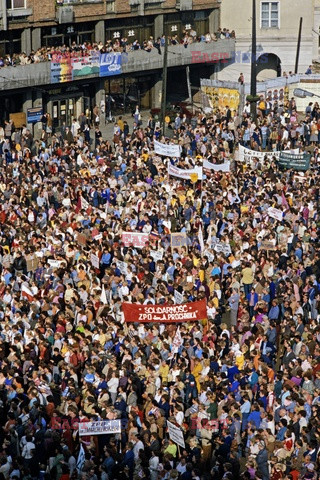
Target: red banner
{"x":187,"y":312}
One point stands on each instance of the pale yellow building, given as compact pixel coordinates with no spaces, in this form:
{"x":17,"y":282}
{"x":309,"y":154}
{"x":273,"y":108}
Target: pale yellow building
{"x":277,"y":35}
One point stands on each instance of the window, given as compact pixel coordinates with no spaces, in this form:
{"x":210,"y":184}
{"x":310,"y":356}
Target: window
{"x":13,"y":4}
{"x":269,"y":14}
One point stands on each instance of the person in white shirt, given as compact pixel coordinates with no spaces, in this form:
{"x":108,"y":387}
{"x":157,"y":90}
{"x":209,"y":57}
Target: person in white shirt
{"x":113,"y":384}
{"x":153,"y":466}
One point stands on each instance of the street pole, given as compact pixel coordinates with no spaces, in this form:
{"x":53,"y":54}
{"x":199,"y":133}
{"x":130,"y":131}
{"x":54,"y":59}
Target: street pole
{"x":253,"y":87}
{"x":298,"y":47}
{"x":164,"y":86}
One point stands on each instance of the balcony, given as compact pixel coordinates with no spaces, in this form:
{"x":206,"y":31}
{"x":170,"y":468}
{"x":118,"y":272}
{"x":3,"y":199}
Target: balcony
{"x":39,"y":74}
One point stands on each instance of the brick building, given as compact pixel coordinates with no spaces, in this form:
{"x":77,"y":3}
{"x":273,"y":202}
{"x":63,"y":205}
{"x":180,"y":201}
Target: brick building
{"x":26,"y":25}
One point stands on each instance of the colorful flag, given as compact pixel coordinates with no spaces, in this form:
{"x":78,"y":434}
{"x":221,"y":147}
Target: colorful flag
{"x":27,"y":293}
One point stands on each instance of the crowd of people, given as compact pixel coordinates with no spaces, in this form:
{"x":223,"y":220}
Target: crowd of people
{"x":243,"y":388}
{"x":124,"y":44}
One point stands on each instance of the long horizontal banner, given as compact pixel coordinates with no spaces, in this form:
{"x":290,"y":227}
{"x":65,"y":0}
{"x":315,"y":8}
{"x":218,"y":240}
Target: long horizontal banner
{"x":246,"y":154}
{"x":69,"y":69}
{"x":184,"y":174}
{"x":188,"y":312}
{"x":222,"y":167}
{"x":166,"y":150}
{"x":300,"y":161}
{"x":99,"y":428}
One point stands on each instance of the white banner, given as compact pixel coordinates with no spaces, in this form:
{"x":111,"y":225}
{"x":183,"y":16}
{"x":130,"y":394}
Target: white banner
{"x":221,"y":247}
{"x":275,"y":213}
{"x":99,"y":428}
{"x":178,"y":297}
{"x":246,"y":154}
{"x":176,"y":434}
{"x":166,"y":150}
{"x":223,"y":167}
{"x":185,"y":174}
{"x":95,"y":260}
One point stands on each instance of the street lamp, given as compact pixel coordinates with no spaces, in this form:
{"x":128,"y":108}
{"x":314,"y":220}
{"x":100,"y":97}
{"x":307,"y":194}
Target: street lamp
{"x":253,"y":86}
{"x":300,"y":93}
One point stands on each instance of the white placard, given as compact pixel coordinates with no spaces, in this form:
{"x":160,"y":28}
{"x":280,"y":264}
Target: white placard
{"x":176,"y":434}
{"x":156,"y":255}
{"x":54,"y":263}
{"x":275,"y":213}
{"x":178,"y":297}
{"x":95,"y":260}
{"x":123,"y":267}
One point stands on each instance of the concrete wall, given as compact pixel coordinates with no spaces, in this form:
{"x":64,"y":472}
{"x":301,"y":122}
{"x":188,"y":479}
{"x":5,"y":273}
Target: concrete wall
{"x":13,"y":78}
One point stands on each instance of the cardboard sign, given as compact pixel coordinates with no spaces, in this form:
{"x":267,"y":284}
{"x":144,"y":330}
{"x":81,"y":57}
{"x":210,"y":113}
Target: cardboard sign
{"x":122,"y":266}
{"x":176,"y":434}
{"x":95,"y":260}
{"x":275,"y":213}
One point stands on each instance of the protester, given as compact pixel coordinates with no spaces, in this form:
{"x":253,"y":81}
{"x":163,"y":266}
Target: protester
{"x":240,"y":382}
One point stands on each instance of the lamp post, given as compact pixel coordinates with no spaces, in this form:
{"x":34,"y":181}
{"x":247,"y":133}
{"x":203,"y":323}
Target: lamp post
{"x":253,"y":86}
{"x":164,"y":86}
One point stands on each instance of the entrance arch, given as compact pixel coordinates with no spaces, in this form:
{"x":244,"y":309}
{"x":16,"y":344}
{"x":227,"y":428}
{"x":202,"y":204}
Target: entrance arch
{"x":268,"y":66}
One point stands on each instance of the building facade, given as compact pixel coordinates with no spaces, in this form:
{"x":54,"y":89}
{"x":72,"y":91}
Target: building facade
{"x":27,"y":25}
{"x":277,"y":36}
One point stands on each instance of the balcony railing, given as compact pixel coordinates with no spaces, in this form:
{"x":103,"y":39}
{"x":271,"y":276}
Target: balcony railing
{"x":39,"y":74}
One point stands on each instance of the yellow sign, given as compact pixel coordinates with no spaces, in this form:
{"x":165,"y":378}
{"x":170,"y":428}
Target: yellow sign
{"x":19,"y":119}
{"x":220,"y":98}
{"x":167,"y":119}
{"x":194,"y":177}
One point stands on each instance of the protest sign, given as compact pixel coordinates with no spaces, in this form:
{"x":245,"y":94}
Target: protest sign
{"x":95,"y":260}
{"x":300,"y":161}
{"x":138,"y":240}
{"x":99,"y":428}
{"x":223,"y":167}
{"x":179,"y":240}
{"x":54,"y":263}
{"x":267,"y":245}
{"x":176,"y":434}
{"x":178,"y":297}
{"x":209,"y":255}
{"x":184,"y":174}
{"x":275,"y":213}
{"x":122,"y":266}
{"x":156,"y":255}
{"x":221,"y":247}
{"x":166,"y":150}
{"x":188,"y":312}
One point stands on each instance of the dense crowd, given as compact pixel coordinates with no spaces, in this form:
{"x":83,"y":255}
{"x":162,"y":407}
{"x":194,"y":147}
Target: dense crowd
{"x":125,"y":44}
{"x":243,"y":387}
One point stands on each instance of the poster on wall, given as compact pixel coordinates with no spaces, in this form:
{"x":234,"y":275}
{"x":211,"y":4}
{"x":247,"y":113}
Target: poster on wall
{"x":61,"y":70}
{"x":220,"y":98}
{"x":110,"y":64}
{"x":87,"y":65}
